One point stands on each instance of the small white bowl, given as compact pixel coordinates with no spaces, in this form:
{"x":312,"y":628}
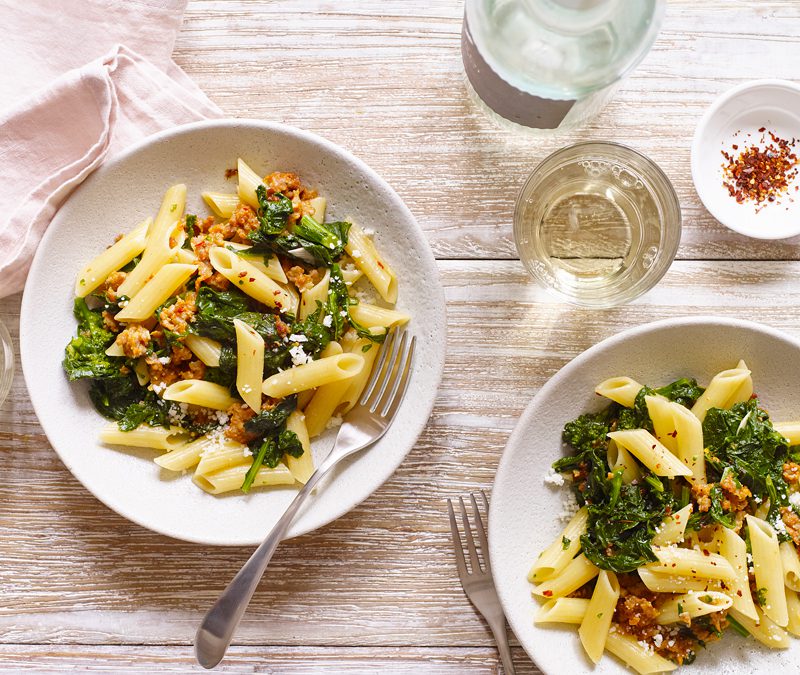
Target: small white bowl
{"x":774,"y":104}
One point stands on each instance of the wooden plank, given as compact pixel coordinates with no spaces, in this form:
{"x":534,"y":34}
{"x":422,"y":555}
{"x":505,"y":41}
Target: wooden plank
{"x":73,"y":572}
{"x":284,"y":660}
{"x":383,"y":78}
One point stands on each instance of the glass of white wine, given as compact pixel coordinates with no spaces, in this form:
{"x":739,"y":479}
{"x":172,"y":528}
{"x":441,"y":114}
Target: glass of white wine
{"x":597,"y":223}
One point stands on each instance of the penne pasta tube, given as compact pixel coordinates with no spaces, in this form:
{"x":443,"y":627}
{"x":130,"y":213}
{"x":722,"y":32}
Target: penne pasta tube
{"x":161,"y":247}
{"x":668,"y":583}
{"x":722,"y":389}
{"x":199,"y":392}
{"x":156,"y":292}
{"x":650,"y":452}
{"x":249,"y":364}
{"x":663,"y":418}
{"x":673,"y":527}
{"x":763,"y":630}
{"x":302,"y":467}
{"x":271,"y":266}
{"x":620,"y":458}
{"x":115,"y":256}
{"x":142,"y":371}
{"x":693,"y":604}
{"x":793,"y":605}
{"x":790,"y":562}
{"x":691,"y":450}
{"x":688,"y":562}
{"x":314,"y":374}
{"x":171,"y":210}
{"x":318,"y":206}
{"x":571,"y":578}
{"x":622,"y":390}
{"x":231,"y":479}
{"x":223,"y":204}
{"x":249,"y":180}
{"x":205,"y":349}
{"x":733,"y":548}
{"x":597,"y":620}
{"x":562,"y":610}
{"x":185,"y":456}
{"x":789,"y":430}
{"x":560,"y":553}
{"x":366,"y":257}
{"x":115,"y":349}
{"x":222,"y":453}
{"x":145,"y":436}
{"x":359,"y":382}
{"x":315,"y":296}
{"x":373,"y":316}
{"x":351,"y":275}
{"x":631,"y":652}
{"x":744,"y":390}
{"x":249,"y":279}
{"x":767,"y":569}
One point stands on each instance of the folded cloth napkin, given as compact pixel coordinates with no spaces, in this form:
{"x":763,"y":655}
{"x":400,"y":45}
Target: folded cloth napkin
{"x":53,"y":139}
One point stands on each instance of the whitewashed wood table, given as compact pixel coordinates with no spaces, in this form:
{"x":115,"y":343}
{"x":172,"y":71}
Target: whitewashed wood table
{"x":82,"y":588}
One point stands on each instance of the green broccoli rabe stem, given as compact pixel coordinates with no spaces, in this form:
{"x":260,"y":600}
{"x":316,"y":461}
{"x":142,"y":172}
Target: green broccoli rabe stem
{"x":311,"y":230}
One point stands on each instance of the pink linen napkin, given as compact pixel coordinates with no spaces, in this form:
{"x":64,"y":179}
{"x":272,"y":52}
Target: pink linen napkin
{"x":80,"y":112}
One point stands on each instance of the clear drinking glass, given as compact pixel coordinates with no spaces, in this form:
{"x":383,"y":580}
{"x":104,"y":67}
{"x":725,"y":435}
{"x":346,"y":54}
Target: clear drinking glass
{"x":6,"y":362}
{"x":552,"y":64}
{"x":597,"y":223}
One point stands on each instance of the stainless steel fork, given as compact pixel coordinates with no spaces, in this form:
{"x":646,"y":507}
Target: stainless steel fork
{"x":364,"y":425}
{"x":478,"y":582}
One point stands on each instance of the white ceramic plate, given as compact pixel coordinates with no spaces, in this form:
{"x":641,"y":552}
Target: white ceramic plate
{"x":773,"y":104}
{"x":523,"y":516}
{"x":129,"y":188}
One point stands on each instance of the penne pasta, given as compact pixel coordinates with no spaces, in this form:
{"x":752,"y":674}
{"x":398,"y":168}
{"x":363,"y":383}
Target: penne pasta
{"x":767,"y":569}
{"x":763,"y":630}
{"x":359,"y":382}
{"x":145,"y":436}
{"x":631,"y":652}
{"x":187,"y":455}
{"x":171,"y":210}
{"x":687,"y":562}
{"x":663,"y":418}
{"x":205,"y":349}
{"x":622,"y":390}
{"x":596,"y":623}
{"x":650,"y":452}
{"x":373,"y":316}
{"x":790,"y":562}
{"x":562,"y":610}
{"x":789,"y":430}
{"x":732,"y":547}
{"x":249,"y":180}
{"x":161,"y":247}
{"x":302,"y":467}
{"x":668,"y":583}
{"x":269,"y":265}
{"x":366,"y":257}
{"x":199,"y":392}
{"x":563,"y":549}
{"x":223,"y":204}
{"x":156,"y":292}
{"x":689,"y":438}
{"x":314,"y":374}
{"x":721,"y":392}
{"x":793,"y":607}
{"x":315,"y":296}
{"x":115,"y":256}
{"x":249,"y":279}
{"x":222,"y":453}
{"x":673,"y":527}
{"x":230,"y":479}
{"x":692,"y":605}
{"x":249,"y":364}
{"x":620,"y":458}
{"x":571,"y":578}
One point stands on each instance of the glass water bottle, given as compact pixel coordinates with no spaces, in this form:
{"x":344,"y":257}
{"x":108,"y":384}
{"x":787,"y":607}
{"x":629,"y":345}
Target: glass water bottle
{"x":552,"y":64}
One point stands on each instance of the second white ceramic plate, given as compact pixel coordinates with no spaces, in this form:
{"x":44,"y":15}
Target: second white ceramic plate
{"x":125,"y":191}
{"x":524,"y":511}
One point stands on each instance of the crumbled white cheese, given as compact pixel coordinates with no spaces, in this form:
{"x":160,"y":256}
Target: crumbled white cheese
{"x":299,"y":357}
{"x":327,"y":320}
{"x":222,"y":416}
{"x":333,"y":422}
{"x":794,"y":500}
{"x":658,"y":638}
{"x":296,"y":337}
{"x":164,"y":360}
{"x":569,"y":506}
{"x":355,"y":253}
{"x":779,"y":526}
{"x":246,"y":388}
{"x":247,"y":452}
{"x":123,"y":303}
{"x":554,"y":478}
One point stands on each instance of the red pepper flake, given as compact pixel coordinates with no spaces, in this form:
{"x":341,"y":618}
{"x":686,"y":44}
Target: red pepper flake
{"x":242,"y":274}
{"x":547,"y":594}
{"x":252,"y":278}
{"x":760,"y":174}
{"x":230,"y":173}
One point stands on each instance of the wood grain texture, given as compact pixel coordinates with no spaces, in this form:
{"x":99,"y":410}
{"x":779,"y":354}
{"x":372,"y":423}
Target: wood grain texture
{"x":383,"y":78}
{"x":83,"y":588}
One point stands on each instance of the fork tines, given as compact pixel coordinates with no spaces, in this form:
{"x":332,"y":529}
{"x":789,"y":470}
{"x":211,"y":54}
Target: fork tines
{"x":390,"y":375}
{"x":472,"y":550}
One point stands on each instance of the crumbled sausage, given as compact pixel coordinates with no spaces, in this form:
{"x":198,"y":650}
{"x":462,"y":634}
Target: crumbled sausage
{"x":239,"y":413}
{"x":791,"y":472}
{"x":178,"y":315}
{"x":134,"y":340}
{"x":302,"y":279}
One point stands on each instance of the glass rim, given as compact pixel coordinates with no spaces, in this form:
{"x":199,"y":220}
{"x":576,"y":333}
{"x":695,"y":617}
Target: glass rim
{"x":658,"y":185}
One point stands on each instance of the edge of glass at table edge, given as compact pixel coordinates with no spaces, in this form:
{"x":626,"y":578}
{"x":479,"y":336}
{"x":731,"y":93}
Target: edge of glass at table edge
{"x":668,"y":244}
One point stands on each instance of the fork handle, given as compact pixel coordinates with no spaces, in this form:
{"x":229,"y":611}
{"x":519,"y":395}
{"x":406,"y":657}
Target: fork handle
{"x":216,"y":630}
{"x":498,"y":627}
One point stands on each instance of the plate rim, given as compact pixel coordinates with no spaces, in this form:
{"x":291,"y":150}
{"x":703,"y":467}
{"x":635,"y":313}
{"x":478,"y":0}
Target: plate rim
{"x":495,"y":546}
{"x":26,"y":310}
